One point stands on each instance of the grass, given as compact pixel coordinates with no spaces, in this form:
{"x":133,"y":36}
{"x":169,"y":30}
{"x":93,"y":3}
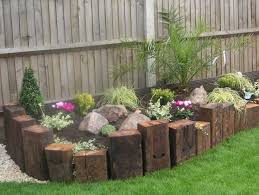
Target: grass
{"x":230,"y":168}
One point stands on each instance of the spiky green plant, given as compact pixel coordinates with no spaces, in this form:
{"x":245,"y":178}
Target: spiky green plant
{"x":121,"y":96}
{"x":177,"y":58}
{"x":227,"y":95}
{"x":236,"y":81}
{"x":30,"y":96}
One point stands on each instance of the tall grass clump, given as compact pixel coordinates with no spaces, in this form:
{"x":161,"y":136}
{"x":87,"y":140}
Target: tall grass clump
{"x":235,"y":81}
{"x":227,"y":95}
{"x":121,"y":96}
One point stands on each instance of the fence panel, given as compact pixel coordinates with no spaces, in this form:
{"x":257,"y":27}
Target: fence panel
{"x":72,"y":45}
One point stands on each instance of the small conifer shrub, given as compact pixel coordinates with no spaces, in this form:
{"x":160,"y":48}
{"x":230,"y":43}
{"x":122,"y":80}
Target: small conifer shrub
{"x":30,"y":96}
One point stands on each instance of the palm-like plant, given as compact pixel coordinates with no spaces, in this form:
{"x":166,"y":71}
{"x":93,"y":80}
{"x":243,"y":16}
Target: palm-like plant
{"x":177,"y":58}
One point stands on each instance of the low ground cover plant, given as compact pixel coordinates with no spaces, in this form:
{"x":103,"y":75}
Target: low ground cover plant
{"x":107,"y":129}
{"x":156,"y":111}
{"x":89,"y":145}
{"x":121,"y":96}
{"x":30,"y":96}
{"x":57,"y":122}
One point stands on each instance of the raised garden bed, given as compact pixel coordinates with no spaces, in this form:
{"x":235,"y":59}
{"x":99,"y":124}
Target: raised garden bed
{"x":153,"y":146}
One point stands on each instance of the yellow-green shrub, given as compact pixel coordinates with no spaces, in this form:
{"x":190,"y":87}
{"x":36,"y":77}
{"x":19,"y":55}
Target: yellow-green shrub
{"x":85,"y":102}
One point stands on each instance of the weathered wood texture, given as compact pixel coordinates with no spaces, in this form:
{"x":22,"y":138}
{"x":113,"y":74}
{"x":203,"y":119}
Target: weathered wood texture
{"x":35,"y":139}
{"x":20,"y":122}
{"x":72,"y":45}
{"x":213,"y":113}
{"x":11,"y":111}
{"x":125,"y":154}
{"x":182,"y":136}
{"x":240,"y":121}
{"x":155,"y":145}
{"x":228,"y":121}
{"x":91,"y":166}
{"x":59,"y":159}
{"x":252,"y":116}
{"x":224,"y":18}
{"x":203,"y":137}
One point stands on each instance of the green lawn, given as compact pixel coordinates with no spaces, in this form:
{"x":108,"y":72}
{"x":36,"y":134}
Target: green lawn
{"x":231,"y":168}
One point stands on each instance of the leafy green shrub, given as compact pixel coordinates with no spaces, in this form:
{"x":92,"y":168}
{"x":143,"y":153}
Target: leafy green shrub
{"x":226,"y":95}
{"x":176,"y":58}
{"x":165,"y":95}
{"x":107,"y":129}
{"x":121,"y":96}
{"x":89,"y":145}
{"x":156,"y":111}
{"x":58,"y":121}
{"x":235,"y":81}
{"x":85,"y":102}
{"x":30,"y":97}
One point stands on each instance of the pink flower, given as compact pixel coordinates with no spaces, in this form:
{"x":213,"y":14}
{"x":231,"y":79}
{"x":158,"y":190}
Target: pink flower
{"x":66,"y":106}
{"x":59,"y":105}
{"x":69,"y":107}
{"x":186,"y":103}
{"x":180,"y":103}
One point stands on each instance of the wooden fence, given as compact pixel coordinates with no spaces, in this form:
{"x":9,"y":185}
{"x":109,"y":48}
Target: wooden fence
{"x":73,"y":44}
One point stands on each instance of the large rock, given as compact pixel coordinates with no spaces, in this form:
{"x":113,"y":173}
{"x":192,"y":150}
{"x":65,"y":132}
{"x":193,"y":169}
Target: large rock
{"x":131,"y":122}
{"x":112,"y":112}
{"x":93,"y":122}
{"x":199,"y":96}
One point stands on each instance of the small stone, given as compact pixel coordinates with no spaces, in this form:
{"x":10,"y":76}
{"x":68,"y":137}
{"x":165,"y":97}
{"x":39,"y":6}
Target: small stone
{"x":93,"y":122}
{"x":199,"y":96}
{"x":131,"y":122}
{"x":112,"y":112}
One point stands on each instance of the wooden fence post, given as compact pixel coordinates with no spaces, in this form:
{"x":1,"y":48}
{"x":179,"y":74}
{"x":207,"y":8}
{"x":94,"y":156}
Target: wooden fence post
{"x":150,"y":34}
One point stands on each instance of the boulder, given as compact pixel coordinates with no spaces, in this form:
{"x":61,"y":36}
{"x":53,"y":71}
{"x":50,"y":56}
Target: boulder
{"x":93,"y":122}
{"x":112,"y":112}
{"x":199,"y":96}
{"x":131,"y":122}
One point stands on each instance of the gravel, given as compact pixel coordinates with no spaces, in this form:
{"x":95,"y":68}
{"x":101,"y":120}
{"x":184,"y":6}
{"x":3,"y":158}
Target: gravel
{"x":10,"y":172}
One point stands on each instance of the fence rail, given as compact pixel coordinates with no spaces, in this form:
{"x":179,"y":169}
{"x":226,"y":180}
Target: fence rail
{"x":72,"y":45}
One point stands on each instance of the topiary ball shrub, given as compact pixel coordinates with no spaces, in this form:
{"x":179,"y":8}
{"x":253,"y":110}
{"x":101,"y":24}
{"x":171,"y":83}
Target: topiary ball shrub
{"x":107,"y":129}
{"x":165,"y":95}
{"x":30,"y":96}
{"x":85,"y":102}
{"x":121,"y":96}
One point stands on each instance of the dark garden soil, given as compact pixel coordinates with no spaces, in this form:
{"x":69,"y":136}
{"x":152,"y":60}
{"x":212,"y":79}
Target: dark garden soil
{"x":72,"y":132}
